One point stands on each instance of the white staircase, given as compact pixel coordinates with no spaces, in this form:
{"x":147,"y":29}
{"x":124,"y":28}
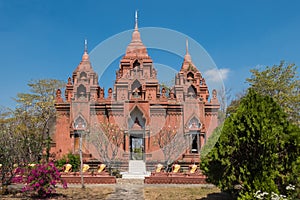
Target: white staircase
{"x":137,"y":170}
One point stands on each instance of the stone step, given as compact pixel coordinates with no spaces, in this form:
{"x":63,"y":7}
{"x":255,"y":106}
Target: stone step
{"x":137,"y":170}
{"x":137,"y":166}
{"x":122,"y":181}
{"x":135,"y":176}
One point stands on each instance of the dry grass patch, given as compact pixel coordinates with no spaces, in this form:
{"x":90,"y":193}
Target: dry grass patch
{"x":85,"y":193}
{"x":183,"y":193}
{"x":70,"y":193}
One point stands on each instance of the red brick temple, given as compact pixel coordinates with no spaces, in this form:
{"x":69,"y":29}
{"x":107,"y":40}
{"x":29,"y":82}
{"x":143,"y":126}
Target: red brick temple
{"x":138,"y":107}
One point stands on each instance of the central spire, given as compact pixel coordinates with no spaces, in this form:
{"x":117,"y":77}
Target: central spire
{"x":136,"y":46}
{"x":136,"y":37}
{"x":136,"y":20}
{"x":187,"y":56}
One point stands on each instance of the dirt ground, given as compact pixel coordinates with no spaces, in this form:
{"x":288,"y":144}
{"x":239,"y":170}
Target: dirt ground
{"x":131,"y":190}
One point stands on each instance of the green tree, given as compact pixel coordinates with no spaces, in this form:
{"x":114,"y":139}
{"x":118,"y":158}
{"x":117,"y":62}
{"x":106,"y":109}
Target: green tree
{"x":235,"y":102}
{"x":23,"y":131}
{"x":224,"y":96}
{"x":40,"y":101}
{"x":258,"y":149}
{"x":212,"y":140}
{"x":35,"y":115}
{"x":282,"y":83}
{"x":12,"y":153}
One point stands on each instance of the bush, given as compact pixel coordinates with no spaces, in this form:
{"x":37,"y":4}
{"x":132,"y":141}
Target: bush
{"x":70,"y":158}
{"x":258,"y":150}
{"x":41,"y":179}
{"x":115,"y":172}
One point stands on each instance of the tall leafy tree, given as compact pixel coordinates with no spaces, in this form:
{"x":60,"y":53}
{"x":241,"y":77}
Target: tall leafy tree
{"x":258,"y":149}
{"x":5,"y":149}
{"x":34,"y":116}
{"x":212,"y":140}
{"x":40,"y":101}
{"x":11,"y":152}
{"x":282,"y":83}
{"x":23,"y":130}
{"x":224,"y":96}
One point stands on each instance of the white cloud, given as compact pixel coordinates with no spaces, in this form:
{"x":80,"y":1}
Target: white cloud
{"x":216,"y":75}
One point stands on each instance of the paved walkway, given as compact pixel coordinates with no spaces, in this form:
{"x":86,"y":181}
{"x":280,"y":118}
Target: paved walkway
{"x":128,"y":189}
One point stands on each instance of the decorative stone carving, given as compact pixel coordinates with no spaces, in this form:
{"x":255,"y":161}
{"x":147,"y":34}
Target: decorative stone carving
{"x":149,"y":97}
{"x":109,"y":93}
{"x":58,"y":96}
{"x":163,"y":93}
{"x":101,"y":95}
{"x":214,"y":94}
{"x":172,"y":96}
{"x":69,"y":81}
{"x":123,"y":96}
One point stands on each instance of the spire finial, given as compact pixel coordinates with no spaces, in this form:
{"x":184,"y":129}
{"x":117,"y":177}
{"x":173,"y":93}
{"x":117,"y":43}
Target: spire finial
{"x":187,"y":56}
{"x":85,"y":56}
{"x":187,"y":45}
{"x":85,"y":46}
{"x":136,"y":20}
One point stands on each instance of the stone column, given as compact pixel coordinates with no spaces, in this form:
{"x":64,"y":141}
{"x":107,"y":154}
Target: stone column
{"x":127,"y":143}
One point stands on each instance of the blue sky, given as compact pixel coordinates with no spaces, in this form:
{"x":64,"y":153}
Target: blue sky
{"x":44,"y":39}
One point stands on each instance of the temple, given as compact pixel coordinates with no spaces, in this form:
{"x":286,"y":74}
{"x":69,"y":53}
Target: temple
{"x":151,"y":121}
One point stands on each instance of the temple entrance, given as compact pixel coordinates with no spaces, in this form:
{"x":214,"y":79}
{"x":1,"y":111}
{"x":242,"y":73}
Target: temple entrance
{"x":136,"y":122}
{"x":137,"y":147}
{"x":195,"y":143}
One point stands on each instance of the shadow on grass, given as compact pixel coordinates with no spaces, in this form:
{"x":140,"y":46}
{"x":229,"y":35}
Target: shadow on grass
{"x":217,"y":196}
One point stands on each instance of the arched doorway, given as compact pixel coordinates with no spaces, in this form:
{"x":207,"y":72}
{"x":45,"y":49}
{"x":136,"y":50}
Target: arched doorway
{"x":194,"y":130}
{"x":137,"y":134}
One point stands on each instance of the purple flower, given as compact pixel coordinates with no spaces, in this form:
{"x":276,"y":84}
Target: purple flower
{"x":41,"y":179}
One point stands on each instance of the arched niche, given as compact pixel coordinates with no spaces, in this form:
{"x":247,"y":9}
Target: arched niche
{"x":192,"y":92}
{"x":80,"y":123}
{"x":136,"y":64}
{"x":190,"y":76}
{"x":194,"y":123}
{"x":136,"y":89}
{"x":83,"y":75}
{"x":81,"y":91}
{"x":136,"y":119}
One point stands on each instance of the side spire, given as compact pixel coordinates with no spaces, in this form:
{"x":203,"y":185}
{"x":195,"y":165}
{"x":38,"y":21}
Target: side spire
{"x":85,"y":56}
{"x":85,"y":45}
{"x":85,"y":64}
